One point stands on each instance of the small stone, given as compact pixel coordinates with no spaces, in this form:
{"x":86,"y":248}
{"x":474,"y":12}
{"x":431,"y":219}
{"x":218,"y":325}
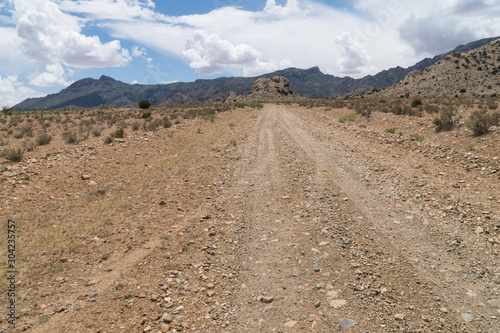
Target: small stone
{"x":167,"y":318}
{"x":347,"y":241}
{"x":85,"y":177}
{"x":346,"y":324}
{"x":92,"y":183}
{"x":210,"y":286}
{"x":479,"y":230}
{"x":317,"y":304}
{"x":317,"y":269}
{"x":467,"y":317}
{"x":444,"y":310}
{"x":338,"y":303}
{"x":266,"y":299}
{"x":290,"y":324}
{"x":399,"y":316}
{"x":147,"y":329}
{"x":162,"y":203}
{"x":164,"y":328}
{"x":210,"y":293}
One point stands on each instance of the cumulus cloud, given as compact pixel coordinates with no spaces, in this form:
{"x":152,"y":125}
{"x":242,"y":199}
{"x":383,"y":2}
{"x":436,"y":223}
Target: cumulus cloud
{"x":292,"y":7}
{"x":210,"y":54}
{"x":54,"y":76}
{"x":12,"y":91}
{"x":353,"y":58}
{"x":50,"y":35}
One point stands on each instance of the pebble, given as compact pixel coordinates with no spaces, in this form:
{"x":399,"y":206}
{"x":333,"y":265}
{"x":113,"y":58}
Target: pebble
{"x":85,"y":177}
{"x":347,"y":241}
{"x":338,"y":303}
{"x":290,"y":324}
{"x":346,"y":324}
{"x":167,"y":318}
{"x":399,"y":316}
{"x":467,"y":316}
{"x":265,"y":299}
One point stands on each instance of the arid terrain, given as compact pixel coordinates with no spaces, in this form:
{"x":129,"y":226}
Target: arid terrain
{"x":281,"y":218}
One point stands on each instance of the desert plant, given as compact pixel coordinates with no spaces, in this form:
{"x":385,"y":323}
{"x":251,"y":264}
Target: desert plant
{"x":13,"y":154}
{"x":391,"y":130}
{"x":417,"y":137}
{"x":145,"y":104}
{"x":119,"y":133}
{"x":70,"y":137}
{"x":447,"y":121}
{"x":348,"y":117}
{"x":43,"y":139}
{"x":146,"y":115}
{"x":416,"y":102}
{"x":108,"y":140}
{"x":480,"y":122}
{"x":96,"y":132}
{"x":135,"y":126}
{"x":166,"y":123}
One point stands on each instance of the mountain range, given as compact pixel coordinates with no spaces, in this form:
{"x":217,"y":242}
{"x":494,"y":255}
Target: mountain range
{"x":311,"y":83}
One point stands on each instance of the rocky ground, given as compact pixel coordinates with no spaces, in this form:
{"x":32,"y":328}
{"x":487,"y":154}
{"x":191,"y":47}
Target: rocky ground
{"x":272,"y":220}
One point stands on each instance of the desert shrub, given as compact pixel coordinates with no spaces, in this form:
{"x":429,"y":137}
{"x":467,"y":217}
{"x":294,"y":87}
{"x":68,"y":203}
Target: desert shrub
{"x":43,"y":139}
{"x":391,"y":130}
{"x":417,"y":137}
{"x":108,"y":140}
{"x":27,"y":129}
{"x":70,"y":137}
{"x":233,"y":143}
{"x":13,"y":154}
{"x":96,"y":132}
{"x":416,"y":102}
{"x":18,"y":135}
{"x":362,"y":126}
{"x":166,"y":123}
{"x":119,"y":133}
{"x":210,"y":117}
{"x":146,"y":115}
{"x":136,"y":126}
{"x":480,"y":122}
{"x":432,"y":108}
{"x":145,"y":104}
{"x":29,"y":145}
{"x":348,"y":117}
{"x":492,"y":105}
{"x":447,"y":120}
{"x":174,"y":116}
{"x":153,"y":124}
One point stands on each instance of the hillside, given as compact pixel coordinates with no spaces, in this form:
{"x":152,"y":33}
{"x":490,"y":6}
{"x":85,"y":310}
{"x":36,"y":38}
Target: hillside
{"x":458,"y":74}
{"x":310,"y":83}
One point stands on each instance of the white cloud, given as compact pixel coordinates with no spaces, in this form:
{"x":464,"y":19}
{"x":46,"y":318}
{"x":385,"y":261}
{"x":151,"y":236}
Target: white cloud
{"x":55,"y":76}
{"x":353,"y":58}
{"x":138,"y":51}
{"x":12,"y":91}
{"x":292,"y":7}
{"x":49,"y":35}
{"x":122,"y":10}
{"x":210,"y":54}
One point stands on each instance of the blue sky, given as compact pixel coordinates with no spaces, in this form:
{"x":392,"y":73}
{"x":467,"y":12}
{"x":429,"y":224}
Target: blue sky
{"x":45,"y":45}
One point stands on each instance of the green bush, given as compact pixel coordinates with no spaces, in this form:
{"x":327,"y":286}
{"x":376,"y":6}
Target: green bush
{"x":391,"y":130}
{"x":145,"y":104}
{"x":480,"y":122}
{"x":417,"y":137}
{"x":348,"y":117}
{"x":146,"y":115}
{"x":447,"y":121}
{"x":108,"y":140}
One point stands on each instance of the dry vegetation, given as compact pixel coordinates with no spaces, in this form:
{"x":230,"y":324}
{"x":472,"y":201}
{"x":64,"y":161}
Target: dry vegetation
{"x":474,"y":73}
{"x":92,"y":187}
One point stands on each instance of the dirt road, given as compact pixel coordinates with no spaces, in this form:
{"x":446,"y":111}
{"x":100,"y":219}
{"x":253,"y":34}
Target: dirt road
{"x":304,"y":225}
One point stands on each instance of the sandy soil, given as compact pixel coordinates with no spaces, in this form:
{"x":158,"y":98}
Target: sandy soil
{"x":272,"y":220}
